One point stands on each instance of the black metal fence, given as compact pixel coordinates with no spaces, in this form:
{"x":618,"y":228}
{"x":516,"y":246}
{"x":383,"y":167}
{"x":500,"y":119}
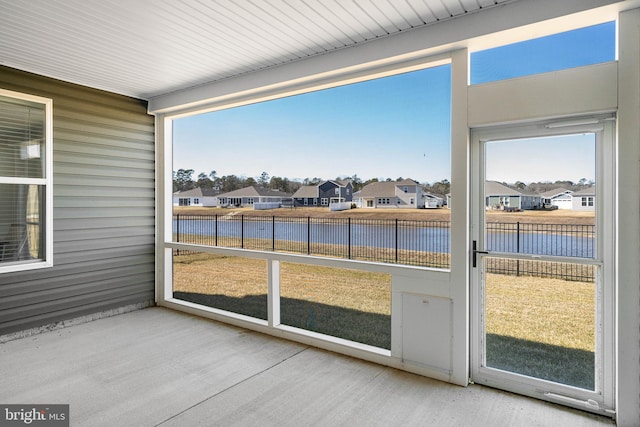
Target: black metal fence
{"x":408,"y":242}
{"x":568,"y":240}
{"x":545,"y":269}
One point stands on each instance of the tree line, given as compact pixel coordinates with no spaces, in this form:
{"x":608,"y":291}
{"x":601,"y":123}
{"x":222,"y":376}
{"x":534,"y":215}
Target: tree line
{"x":183,"y":180}
{"x":543,"y":186}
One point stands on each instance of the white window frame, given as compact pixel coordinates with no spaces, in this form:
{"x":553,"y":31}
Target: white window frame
{"x":46,"y":182}
{"x":603,"y":396}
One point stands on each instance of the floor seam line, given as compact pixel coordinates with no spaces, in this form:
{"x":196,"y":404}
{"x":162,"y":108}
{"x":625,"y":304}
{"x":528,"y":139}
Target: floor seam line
{"x":232,"y":386}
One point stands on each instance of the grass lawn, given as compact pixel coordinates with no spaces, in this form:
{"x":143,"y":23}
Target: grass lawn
{"x":345,"y":303}
{"x":541,"y":327}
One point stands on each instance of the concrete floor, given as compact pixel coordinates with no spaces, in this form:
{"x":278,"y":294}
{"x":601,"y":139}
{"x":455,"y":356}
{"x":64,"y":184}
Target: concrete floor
{"x":160,"y":367}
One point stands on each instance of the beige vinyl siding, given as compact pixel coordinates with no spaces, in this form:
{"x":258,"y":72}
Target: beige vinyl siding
{"x":103,"y":208}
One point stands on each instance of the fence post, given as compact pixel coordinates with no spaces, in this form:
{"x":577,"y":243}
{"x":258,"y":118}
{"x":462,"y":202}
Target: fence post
{"x":273,"y":233}
{"x":349,"y":238}
{"x":216,"y":229}
{"x":242,"y":231}
{"x":178,"y":232}
{"x":518,"y":248}
{"x":308,"y":235}
{"x":396,"y":240}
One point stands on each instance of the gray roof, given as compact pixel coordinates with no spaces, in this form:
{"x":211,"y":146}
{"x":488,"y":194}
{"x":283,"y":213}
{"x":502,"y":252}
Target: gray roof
{"x":255,"y":191}
{"x":431,"y":195}
{"x":384,"y":188}
{"x":555,"y":192}
{"x":309,"y":191}
{"x":197,"y":192}
{"x":494,"y":188}
{"x":306,"y":191}
{"x":590,"y":191}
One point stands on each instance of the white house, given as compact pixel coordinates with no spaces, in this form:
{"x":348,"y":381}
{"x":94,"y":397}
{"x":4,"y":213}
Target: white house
{"x":392,"y":194}
{"x":584,"y":200}
{"x":432,"y":201}
{"x":560,"y":197}
{"x":203,"y":197}
{"x":253,"y":195}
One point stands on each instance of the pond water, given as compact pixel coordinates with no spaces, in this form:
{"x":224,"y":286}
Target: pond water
{"x":412,"y":235}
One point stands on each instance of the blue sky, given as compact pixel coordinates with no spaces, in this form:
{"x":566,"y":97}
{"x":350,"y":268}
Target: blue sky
{"x":393,"y":127}
{"x":570,"y":157}
{"x":375,"y":129}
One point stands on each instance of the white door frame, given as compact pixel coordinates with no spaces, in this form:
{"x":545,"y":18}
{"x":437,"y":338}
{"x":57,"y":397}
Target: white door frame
{"x":603,"y":399}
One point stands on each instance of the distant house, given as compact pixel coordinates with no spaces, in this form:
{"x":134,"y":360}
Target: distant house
{"x":330,"y":191}
{"x":432,"y":201}
{"x":307,"y":195}
{"x":560,"y":197}
{"x":584,"y":200}
{"x":204,"y":197}
{"x":499,"y":196}
{"x":392,"y":194}
{"x":248,"y":196}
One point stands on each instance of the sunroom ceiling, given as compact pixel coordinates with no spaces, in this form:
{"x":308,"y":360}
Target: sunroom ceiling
{"x":145,"y":48}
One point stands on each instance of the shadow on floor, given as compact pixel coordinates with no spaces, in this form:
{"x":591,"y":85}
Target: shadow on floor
{"x":549,"y":362}
{"x":359,"y":326}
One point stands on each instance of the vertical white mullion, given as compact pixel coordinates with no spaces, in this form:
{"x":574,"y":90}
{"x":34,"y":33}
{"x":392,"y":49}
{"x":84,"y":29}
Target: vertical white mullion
{"x":164,"y":210}
{"x":48,"y":147}
{"x":273,"y":292}
{"x":628,"y":231}
{"x":606,"y":237}
{"x":459,"y":286}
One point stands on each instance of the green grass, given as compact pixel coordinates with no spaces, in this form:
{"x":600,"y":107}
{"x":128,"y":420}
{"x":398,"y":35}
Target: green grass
{"x":344,"y":303}
{"x":541,"y":327}
{"x":563,"y":365}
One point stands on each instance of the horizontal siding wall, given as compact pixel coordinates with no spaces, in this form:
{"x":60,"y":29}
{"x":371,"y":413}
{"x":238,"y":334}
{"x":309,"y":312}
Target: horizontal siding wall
{"x":103,"y":208}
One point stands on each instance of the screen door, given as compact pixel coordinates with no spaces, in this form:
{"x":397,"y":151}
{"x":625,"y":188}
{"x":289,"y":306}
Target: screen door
{"x":542,"y":251}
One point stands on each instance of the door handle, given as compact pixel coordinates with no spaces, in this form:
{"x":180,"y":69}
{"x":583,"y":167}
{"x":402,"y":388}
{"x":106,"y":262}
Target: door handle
{"x":476,"y":252}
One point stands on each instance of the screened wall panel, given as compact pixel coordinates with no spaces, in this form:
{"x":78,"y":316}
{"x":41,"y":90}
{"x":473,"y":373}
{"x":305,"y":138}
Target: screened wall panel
{"x":103,"y":208}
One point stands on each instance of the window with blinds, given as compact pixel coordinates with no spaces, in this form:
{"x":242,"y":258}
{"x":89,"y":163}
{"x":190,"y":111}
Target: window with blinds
{"x":23,"y":180}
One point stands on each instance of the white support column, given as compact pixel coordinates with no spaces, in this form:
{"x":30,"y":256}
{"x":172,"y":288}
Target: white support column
{"x":164,"y":208}
{"x":273,"y":292}
{"x":460,"y":216}
{"x":628,"y":283}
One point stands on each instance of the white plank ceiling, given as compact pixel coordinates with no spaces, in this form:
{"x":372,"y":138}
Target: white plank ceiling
{"x":144,"y":48}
